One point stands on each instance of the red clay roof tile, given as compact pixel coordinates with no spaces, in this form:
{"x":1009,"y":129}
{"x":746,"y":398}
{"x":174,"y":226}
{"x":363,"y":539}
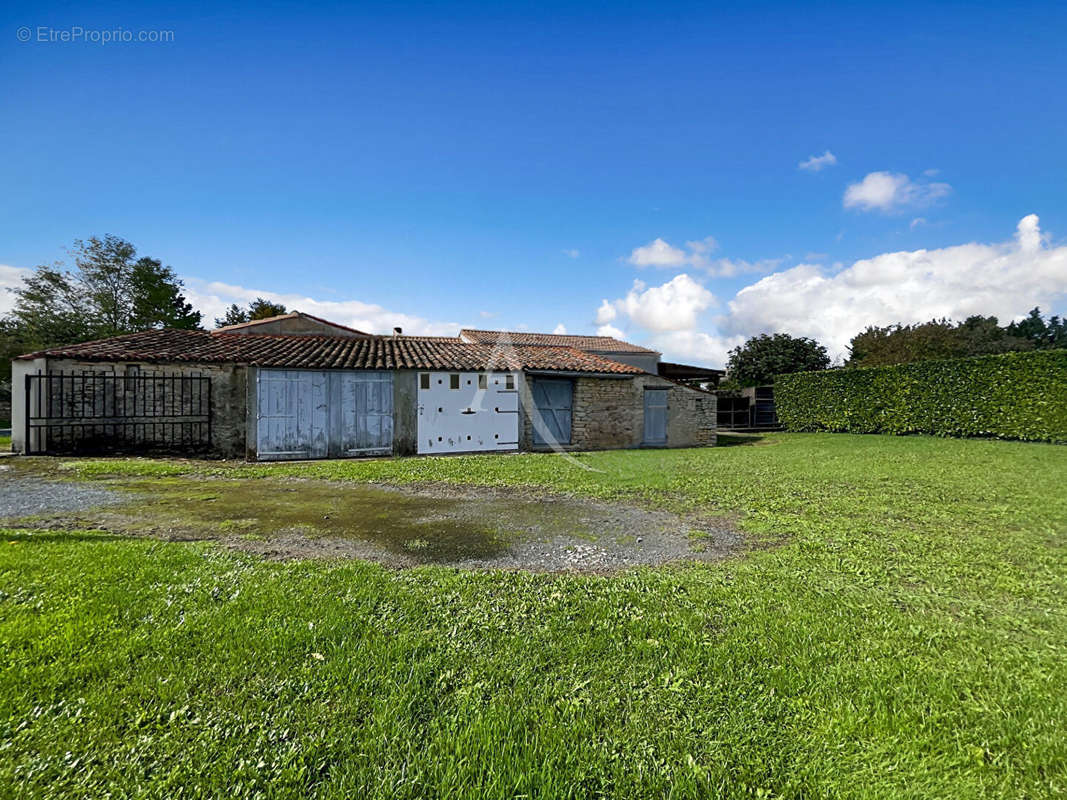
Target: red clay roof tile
{"x":329,"y":352}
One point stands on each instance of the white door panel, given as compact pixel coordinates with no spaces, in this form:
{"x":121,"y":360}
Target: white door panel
{"x":468,"y":411}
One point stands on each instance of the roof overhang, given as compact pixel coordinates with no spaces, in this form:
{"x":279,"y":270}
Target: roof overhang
{"x":550,"y":373}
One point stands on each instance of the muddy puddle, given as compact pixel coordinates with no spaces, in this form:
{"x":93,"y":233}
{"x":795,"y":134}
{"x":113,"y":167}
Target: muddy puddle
{"x":403,"y":526}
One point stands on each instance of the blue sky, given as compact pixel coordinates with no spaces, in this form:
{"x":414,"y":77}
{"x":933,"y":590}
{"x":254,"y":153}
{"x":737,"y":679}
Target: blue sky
{"x":437,"y":165}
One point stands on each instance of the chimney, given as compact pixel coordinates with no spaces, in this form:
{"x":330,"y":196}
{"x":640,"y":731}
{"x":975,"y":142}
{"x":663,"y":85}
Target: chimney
{"x":397,"y":331}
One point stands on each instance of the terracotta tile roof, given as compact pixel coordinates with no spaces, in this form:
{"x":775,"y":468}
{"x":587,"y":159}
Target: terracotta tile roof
{"x":332,"y":352}
{"x":599,"y":344}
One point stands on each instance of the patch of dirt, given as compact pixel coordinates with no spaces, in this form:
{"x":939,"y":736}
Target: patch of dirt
{"x":466,"y":527}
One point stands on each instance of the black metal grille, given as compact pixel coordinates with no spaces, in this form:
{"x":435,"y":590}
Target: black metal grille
{"x":74,"y":414}
{"x":733,"y":412}
{"x":739,"y":413}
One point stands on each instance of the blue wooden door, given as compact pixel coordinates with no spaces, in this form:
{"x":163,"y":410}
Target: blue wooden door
{"x":655,"y":416}
{"x":323,"y":414}
{"x":552,"y":410}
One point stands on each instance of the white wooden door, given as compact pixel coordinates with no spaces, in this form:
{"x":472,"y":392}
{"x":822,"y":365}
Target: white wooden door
{"x":293,"y":414}
{"x":366,"y":413}
{"x":462,"y":412}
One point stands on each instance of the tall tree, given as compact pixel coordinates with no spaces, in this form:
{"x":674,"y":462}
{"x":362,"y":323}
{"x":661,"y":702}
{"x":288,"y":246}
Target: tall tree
{"x":260,"y":308}
{"x":758,"y":360}
{"x":1044,"y":335}
{"x":108,"y":293}
{"x":105,"y":272}
{"x":157,"y":300}
{"x":50,"y":308}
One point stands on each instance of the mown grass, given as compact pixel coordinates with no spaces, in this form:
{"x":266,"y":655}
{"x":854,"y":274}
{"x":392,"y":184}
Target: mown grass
{"x":905,"y":636}
{"x":5,"y":443}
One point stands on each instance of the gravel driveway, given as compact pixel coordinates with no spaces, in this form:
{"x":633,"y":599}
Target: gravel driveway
{"x":21,"y":496}
{"x":399,"y":526}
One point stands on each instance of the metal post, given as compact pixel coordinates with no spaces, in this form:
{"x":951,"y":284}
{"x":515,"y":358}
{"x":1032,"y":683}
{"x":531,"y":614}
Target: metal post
{"x":26,"y":447}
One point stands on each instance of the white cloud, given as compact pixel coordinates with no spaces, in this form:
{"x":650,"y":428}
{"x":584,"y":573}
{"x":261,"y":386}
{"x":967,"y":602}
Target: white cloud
{"x":889,"y":191}
{"x":610,"y":330}
{"x":1004,"y":279}
{"x":697,"y":254}
{"x":10,"y":278}
{"x":673,"y":306}
{"x":695,"y":346}
{"x":1028,"y":234}
{"x":703,"y":246}
{"x":658,"y":253}
{"x":212,"y":298}
{"x":834,"y":303}
{"x":915,"y":223}
{"x":817,"y":163}
{"x":572,"y":253}
{"x":732,"y":267}
{"x":560,"y":330}
{"x":606,"y":313}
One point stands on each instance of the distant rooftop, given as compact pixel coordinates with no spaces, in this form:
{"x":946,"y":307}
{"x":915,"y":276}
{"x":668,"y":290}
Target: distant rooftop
{"x":249,"y":327}
{"x":594,"y":344}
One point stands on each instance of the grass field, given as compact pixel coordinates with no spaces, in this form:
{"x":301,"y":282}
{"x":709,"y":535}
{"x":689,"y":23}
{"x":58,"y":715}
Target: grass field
{"x":898,"y":628}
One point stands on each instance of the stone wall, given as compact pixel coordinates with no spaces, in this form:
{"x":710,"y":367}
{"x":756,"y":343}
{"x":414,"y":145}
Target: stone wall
{"x":228,"y":394}
{"x":609,"y":413}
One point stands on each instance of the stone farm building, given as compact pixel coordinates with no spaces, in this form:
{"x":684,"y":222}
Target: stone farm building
{"x":299,"y":387}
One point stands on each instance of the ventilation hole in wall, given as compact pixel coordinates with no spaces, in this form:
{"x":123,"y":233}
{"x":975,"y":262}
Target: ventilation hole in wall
{"x":440,"y":381}
{"x":468,"y":383}
{"x":438,"y":438}
{"x":440,"y":410}
{"x":468,"y":438}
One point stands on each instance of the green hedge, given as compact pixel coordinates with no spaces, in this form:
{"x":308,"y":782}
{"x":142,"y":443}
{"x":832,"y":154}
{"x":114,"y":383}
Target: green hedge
{"x":1010,"y":396}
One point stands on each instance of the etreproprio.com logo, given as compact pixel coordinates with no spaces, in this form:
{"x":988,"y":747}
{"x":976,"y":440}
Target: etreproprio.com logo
{"x":77,"y":34}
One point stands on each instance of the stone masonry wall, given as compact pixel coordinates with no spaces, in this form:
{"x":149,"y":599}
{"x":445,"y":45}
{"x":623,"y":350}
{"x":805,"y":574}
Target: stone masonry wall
{"x":228,"y":393}
{"x":609,"y":413}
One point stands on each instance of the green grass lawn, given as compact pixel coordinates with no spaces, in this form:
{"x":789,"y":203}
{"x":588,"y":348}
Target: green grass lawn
{"x":898,"y":628}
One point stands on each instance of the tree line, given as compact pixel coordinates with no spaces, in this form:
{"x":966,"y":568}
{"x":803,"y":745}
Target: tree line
{"x":758,"y":360}
{"x":107,"y":291}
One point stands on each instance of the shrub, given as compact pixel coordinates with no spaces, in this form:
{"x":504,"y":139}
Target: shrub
{"x":1010,"y":396}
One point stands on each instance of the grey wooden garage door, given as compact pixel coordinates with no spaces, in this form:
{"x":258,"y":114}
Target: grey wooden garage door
{"x":323,"y":414}
{"x":655,"y":416}
{"x":553,"y":399}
